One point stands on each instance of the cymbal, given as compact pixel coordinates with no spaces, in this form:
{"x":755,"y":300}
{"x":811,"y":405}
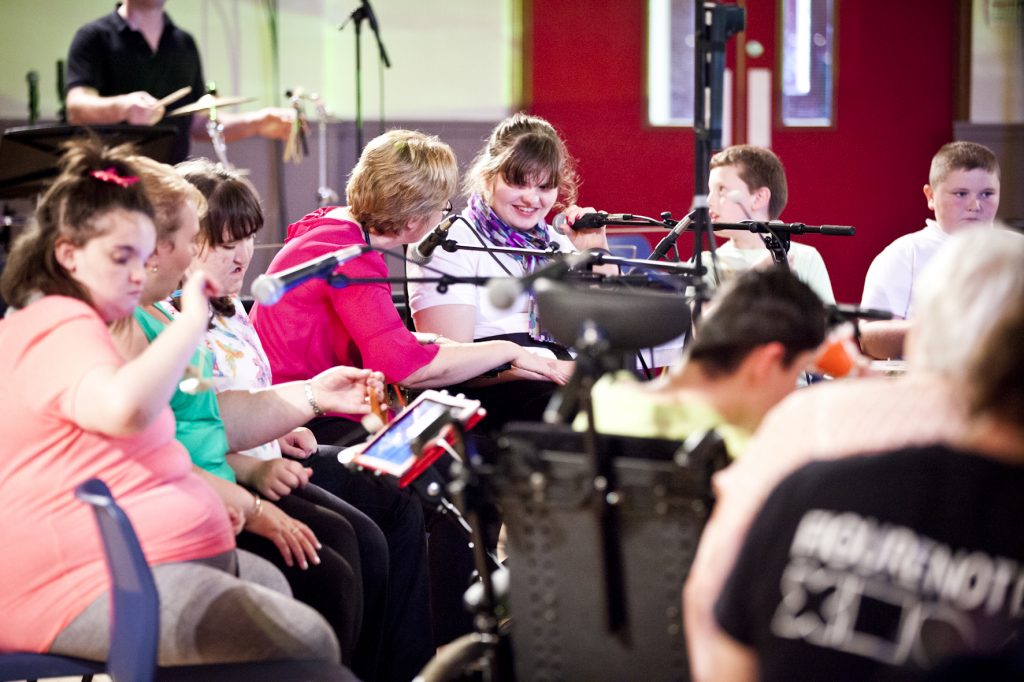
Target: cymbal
{"x":206,"y":102}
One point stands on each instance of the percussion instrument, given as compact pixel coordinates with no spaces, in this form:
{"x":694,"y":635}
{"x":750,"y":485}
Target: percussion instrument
{"x":208,"y":102}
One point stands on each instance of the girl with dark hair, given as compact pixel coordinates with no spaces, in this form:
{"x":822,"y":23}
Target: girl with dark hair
{"x":395,"y":641}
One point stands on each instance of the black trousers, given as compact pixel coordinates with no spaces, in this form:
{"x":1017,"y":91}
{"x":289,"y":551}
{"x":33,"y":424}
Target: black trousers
{"x":448,"y":556}
{"x":406,"y":642}
{"x":334,"y":586}
{"x":374,"y":571}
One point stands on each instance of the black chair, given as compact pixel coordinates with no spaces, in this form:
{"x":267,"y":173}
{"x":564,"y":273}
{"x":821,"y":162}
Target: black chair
{"x":135,"y":623}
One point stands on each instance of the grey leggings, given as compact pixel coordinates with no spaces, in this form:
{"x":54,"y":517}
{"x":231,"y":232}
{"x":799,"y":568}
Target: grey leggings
{"x":207,"y":615}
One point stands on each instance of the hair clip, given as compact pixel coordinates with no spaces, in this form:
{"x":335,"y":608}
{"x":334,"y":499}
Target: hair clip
{"x":111,"y":175}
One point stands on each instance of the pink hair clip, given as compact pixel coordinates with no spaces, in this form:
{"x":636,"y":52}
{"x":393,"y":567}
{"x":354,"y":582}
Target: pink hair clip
{"x":110,"y":175}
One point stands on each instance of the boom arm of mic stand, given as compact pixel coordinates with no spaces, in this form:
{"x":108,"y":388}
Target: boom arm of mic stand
{"x":451,"y":246}
{"x":630,"y":219}
{"x":369,"y":15}
{"x":687,"y":269}
{"x":340,"y":280}
{"x":789,"y":228}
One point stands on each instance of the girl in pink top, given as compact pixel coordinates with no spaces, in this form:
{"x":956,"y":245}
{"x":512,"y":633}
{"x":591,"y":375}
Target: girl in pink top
{"x":73,"y":409}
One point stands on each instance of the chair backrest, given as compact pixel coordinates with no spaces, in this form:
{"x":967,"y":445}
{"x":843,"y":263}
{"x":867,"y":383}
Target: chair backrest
{"x":135,"y":603}
{"x":640,"y":247}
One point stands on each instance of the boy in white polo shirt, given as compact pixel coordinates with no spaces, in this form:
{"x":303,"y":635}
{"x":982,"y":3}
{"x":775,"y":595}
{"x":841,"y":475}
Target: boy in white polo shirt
{"x":749,"y":183}
{"x":963,"y":192}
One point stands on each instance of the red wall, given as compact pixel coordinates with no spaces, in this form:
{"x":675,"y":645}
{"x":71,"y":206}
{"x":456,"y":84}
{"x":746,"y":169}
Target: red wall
{"x":894,"y":110}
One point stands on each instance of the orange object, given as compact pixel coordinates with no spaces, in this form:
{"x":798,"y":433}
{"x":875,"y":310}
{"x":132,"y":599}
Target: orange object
{"x":834,"y":359}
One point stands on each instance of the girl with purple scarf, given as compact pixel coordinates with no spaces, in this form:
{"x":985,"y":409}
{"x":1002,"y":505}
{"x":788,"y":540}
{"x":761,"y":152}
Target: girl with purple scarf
{"x":522,"y":173}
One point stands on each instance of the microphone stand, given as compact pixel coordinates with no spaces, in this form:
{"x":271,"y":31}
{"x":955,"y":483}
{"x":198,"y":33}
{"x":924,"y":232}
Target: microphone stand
{"x":599,"y":257}
{"x":772,"y":227}
{"x":361,"y":13}
{"x":593,"y":361}
{"x":451,"y":246}
{"x":776,"y":235}
{"x":340,"y":280}
{"x":714,"y":24}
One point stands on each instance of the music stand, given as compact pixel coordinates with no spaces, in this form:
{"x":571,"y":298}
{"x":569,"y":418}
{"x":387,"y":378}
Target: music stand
{"x":555,"y":541}
{"x":29,"y":155}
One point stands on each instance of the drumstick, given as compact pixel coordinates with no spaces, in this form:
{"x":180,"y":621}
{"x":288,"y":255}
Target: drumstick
{"x":175,"y":96}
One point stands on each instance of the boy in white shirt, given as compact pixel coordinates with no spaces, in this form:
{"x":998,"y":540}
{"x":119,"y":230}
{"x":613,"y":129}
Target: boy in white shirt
{"x":963,"y":192}
{"x":749,"y":183}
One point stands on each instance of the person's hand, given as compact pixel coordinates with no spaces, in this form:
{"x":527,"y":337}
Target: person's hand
{"x":347,"y":389}
{"x":141,"y":108}
{"x":196,"y":292}
{"x":275,"y":478}
{"x":557,"y":371}
{"x":293,"y":538}
{"x":275,"y":122}
{"x":236,"y":517}
{"x":298,"y":443}
{"x":589,"y":238}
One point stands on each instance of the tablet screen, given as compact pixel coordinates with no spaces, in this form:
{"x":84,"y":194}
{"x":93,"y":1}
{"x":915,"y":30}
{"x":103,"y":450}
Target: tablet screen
{"x":395,"y":449}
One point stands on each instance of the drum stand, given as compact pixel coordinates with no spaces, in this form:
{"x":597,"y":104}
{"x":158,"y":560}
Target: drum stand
{"x":325,"y":195}
{"x":485,"y":648}
{"x":215,"y":129}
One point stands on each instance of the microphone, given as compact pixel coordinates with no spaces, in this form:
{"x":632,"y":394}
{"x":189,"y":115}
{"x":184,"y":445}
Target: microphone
{"x":61,"y":95}
{"x":423,"y":250}
{"x":592,"y":221}
{"x":503,"y":291}
{"x":788,"y":228}
{"x":735,"y":196}
{"x":268,"y":289}
{"x":844,"y":311}
{"x":670,"y":239}
{"x":33,"y":97}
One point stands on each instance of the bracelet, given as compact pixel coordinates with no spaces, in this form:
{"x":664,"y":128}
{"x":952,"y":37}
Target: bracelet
{"x":311,"y":399}
{"x":437,"y":337}
{"x":257,"y":506}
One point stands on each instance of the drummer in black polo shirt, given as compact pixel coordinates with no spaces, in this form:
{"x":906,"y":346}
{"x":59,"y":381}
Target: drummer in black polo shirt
{"x":120,"y":65}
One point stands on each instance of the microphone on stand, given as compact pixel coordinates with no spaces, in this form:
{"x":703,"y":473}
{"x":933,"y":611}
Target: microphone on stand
{"x":503,"y":292}
{"x":423,"y":250}
{"x":590,"y":220}
{"x":845,"y":311}
{"x":268,"y":289}
{"x":672,"y":237}
{"x":61,"y":94}
{"x":33,"y":97}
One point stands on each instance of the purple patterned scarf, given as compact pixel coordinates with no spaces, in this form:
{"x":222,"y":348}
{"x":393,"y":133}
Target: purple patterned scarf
{"x":493,"y":229}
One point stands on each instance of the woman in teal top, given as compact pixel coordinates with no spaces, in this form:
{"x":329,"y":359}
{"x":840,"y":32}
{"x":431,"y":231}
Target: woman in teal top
{"x":315,"y":548}
{"x":199,"y":426}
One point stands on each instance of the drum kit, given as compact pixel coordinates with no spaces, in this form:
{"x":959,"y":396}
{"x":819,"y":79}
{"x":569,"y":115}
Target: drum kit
{"x":209,"y":104}
{"x":29,"y":155}
{"x":295,"y":148}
